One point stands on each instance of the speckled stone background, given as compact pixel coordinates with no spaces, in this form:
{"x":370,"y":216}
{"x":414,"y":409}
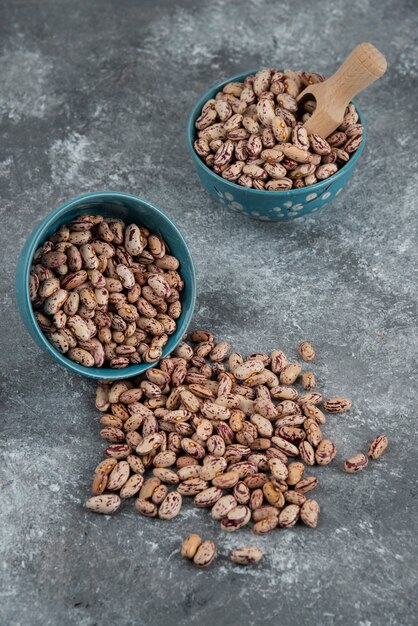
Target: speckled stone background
{"x":95,"y":95}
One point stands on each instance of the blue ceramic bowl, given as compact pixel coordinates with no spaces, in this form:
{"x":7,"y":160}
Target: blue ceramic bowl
{"x":130,"y":209}
{"x":266,"y":205}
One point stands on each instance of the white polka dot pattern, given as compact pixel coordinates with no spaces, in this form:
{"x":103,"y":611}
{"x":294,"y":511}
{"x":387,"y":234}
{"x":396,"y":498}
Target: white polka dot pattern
{"x":285,"y":211}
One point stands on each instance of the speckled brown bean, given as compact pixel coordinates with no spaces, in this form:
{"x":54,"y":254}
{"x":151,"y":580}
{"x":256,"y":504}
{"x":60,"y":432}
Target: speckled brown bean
{"x":295,"y":474}
{"x":312,"y":411}
{"x":189,"y":471}
{"x":80,"y":356}
{"x":52,"y":260}
{"x":275,"y":170}
{"x":59,"y":341}
{"x":266,"y":525}
{"x":284,"y":392}
{"x":285,"y":446}
{"x":294,"y":497}
{"x":236,"y":518}
{"x":132,"y":486}
{"x":319,"y":145}
{"x":192,"y":448}
{"x":337,"y":405}
{"x":297,"y":155}
{"x":222,"y":507}
{"x":300,"y":137}
{"x":135,"y":464}
{"x":202,"y":335}
{"x":145,"y":507}
{"x":326,"y":170}
{"x":256,"y":499}
{"x":278,"y":361}
{"x":164,"y":459}
{"x":112,"y":434}
{"x":202,"y":147}
{"x":205,"y":554}
{"x":105,"y":466}
{"x":308,"y":381}
{"x":306,"y":351}
{"x":325,"y":452}
{"x":307,"y":484}
{"x":99,"y":483}
{"x":190,"y":546}
{"x":105,"y":504}
{"x":227,"y":480}
{"x":118,"y":476}
{"x":208,"y":497}
{"x":48,"y":287}
{"x":264,"y":511}
{"x":272,"y":155}
{"x":278,"y":469}
{"x":214,"y":466}
{"x":307,"y":453}
{"x":279,"y":184}
{"x":309,"y":513}
{"x":353,"y":143}
{"x":256,"y":481}
{"x":192,"y":486}
{"x":287,"y":407}
{"x":246,"y":556}
{"x":134,"y":439}
{"x":356,"y":463}
{"x":171,"y":505}
{"x":220,"y":351}
{"x":273,"y":494}
{"x":159,"y":494}
{"x":289,"y":515}
{"x":54,"y":303}
{"x":241,"y":493}
{"x":377,"y":447}
{"x":118,"y":450}
{"x":313,"y":432}
{"x":310,"y":398}
{"x":247,"y":369}
{"x":290,"y":373}
{"x":149,"y":487}
{"x":292,"y":434}
{"x":337,"y":139}
{"x":149,"y":443}
{"x":166,"y":475}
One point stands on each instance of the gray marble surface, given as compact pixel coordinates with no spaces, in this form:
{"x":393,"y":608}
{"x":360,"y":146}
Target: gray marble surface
{"x":95,"y":95}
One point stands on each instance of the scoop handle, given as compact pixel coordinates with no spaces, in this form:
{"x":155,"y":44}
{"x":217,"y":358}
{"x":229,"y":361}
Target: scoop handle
{"x":361,"y":68}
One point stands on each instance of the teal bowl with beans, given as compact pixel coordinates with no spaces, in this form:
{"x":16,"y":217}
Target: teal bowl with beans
{"x":260,"y":204}
{"x":132,"y":210}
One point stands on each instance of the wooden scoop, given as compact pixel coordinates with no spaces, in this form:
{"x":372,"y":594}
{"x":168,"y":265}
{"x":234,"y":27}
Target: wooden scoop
{"x":362,"y":67}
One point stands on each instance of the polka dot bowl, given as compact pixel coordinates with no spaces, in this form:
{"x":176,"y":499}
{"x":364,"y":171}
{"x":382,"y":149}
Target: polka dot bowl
{"x":267,"y":205}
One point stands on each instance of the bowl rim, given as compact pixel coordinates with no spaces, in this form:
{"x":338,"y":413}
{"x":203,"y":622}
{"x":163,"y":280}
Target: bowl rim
{"x":38,"y":235}
{"x":190,"y":131}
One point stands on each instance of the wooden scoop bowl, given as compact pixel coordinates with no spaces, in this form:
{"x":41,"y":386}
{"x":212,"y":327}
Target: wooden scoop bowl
{"x":361,"y":68}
